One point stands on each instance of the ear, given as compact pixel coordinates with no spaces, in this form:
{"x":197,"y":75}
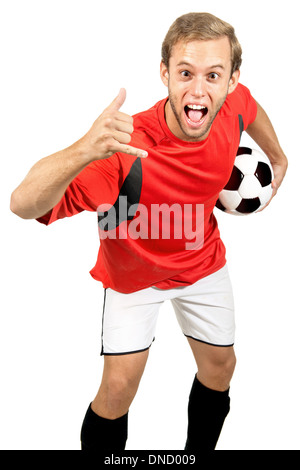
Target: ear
{"x":164,"y":74}
{"x":233,"y":82}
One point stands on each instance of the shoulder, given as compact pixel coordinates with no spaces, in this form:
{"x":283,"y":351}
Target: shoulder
{"x":240,"y":102}
{"x":147,"y":128}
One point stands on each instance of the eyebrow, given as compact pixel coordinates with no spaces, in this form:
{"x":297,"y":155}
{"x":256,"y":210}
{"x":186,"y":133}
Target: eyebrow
{"x":216,"y":66}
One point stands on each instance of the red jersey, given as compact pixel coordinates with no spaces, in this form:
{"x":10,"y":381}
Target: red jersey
{"x":134,"y":252}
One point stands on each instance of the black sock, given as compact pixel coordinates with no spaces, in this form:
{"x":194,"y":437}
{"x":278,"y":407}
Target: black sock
{"x":207,"y":411}
{"x":103,"y":434}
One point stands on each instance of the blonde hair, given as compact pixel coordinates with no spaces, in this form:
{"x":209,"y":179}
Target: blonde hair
{"x":204,"y":27}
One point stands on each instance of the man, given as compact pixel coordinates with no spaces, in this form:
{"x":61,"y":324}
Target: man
{"x":177,"y":155}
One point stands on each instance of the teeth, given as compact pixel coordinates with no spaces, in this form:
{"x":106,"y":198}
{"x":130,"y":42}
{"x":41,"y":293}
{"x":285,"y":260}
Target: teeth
{"x":195,"y":106}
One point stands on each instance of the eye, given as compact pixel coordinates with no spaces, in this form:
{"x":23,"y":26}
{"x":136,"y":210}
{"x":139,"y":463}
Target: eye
{"x":213,"y":76}
{"x":185,"y":74}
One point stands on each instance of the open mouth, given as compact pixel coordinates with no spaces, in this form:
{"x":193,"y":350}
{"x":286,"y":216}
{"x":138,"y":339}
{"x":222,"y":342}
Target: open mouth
{"x":195,"y":114}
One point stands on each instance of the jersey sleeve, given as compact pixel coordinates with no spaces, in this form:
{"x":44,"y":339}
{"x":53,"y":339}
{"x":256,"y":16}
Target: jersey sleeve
{"x":96,"y":184}
{"x":244,"y":104}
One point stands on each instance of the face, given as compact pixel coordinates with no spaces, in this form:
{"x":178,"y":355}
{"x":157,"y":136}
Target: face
{"x":198,"y":80}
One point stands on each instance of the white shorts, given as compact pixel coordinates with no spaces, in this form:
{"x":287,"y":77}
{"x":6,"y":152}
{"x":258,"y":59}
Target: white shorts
{"x":204,"y":310}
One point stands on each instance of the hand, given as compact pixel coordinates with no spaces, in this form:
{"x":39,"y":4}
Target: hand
{"x":279,"y":170}
{"x":111,"y":133}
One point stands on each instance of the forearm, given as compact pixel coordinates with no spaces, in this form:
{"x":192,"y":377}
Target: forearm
{"x":263,"y":133}
{"x":47,"y":181}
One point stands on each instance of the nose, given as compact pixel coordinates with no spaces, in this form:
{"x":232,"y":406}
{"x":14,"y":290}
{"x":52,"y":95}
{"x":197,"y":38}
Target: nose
{"x":198,"y":89}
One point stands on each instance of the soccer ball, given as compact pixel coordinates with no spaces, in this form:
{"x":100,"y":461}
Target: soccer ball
{"x":249,"y":187}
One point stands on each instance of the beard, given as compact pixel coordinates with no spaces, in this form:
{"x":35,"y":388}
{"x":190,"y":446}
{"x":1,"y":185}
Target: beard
{"x":191,"y":134}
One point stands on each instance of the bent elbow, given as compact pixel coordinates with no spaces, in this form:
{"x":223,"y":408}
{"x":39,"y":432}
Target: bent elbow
{"x":13,"y":204}
{"x":16,"y":207}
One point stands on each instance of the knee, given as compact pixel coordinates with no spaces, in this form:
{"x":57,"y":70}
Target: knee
{"x":118,"y":385}
{"x":229,"y":367}
{"x":116,"y":394}
{"x":219,"y":371}
{"x":224,"y":364}
{"x":120,"y":381}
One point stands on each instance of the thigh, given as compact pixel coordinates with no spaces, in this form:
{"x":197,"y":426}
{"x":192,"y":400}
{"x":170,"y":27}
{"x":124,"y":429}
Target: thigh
{"x":205,"y":310}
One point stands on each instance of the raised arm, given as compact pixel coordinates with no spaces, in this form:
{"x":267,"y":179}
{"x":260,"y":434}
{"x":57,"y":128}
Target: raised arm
{"x":263,"y":133}
{"x":48,"y":179}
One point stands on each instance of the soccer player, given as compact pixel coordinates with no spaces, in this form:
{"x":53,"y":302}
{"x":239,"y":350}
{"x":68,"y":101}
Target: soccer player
{"x":148,"y":177}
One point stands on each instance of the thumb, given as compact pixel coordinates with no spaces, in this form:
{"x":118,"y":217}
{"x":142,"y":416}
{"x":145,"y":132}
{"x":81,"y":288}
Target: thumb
{"x":116,"y":104}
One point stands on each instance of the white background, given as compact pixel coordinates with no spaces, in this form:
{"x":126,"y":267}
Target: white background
{"x":62,"y":62}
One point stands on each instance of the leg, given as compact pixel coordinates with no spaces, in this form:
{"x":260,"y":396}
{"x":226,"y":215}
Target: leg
{"x":215,"y":364}
{"x":209,"y":399}
{"x":120,"y":381}
{"x":205,"y":312}
{"x":128,"y":322}
{"x":105,"y":423}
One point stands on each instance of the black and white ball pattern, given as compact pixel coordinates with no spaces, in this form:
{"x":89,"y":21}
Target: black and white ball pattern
{"x":249,"y":187}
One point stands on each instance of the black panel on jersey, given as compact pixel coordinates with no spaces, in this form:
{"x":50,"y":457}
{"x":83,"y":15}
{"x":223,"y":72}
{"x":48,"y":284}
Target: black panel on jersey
{"x":241,"y":122}
{"x":131,"y":188}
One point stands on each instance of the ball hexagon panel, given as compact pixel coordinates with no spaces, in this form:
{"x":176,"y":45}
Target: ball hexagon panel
{"x":230,"y":199}
{"x":250,"y":187}
{"x":246,"y":164}
{"x":265,"y":194}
